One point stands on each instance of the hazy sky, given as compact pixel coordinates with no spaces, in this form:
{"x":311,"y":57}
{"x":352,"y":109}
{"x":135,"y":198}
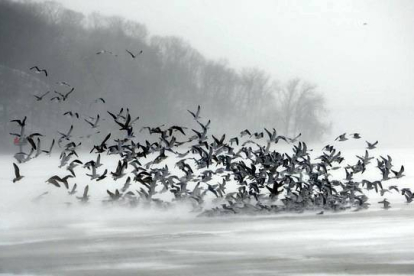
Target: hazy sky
{"x":324,"y":42}
{"x":366,"y":70}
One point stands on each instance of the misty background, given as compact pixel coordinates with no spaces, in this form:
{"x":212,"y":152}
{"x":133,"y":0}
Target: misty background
{"x":310,"y":67}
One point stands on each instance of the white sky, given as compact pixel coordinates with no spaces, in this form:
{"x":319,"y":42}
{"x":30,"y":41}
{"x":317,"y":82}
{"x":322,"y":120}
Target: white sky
{"x":325,"y":42}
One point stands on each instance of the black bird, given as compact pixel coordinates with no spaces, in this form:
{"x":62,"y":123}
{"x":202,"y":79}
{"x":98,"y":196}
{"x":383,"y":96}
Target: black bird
{"x":132,"y":55}
{"x":38,"y":70}
{"x":71,"y":114}
{"x":65,"y":96}
{"x":21,"y":123}
{"x":39,"y":98}
{"x":16,"y":173}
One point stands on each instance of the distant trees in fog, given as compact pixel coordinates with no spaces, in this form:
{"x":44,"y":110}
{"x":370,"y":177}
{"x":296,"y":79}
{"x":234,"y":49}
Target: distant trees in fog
{"x":168,"y":78}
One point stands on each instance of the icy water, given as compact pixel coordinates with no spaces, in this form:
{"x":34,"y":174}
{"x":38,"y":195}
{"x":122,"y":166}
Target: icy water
{"x":52,"y":237}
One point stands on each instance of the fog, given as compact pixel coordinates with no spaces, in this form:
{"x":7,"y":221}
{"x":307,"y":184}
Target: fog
{"x":365,"y":71}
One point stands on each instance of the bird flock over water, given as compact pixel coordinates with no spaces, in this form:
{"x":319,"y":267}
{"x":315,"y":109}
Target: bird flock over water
{"x":242,"y":174}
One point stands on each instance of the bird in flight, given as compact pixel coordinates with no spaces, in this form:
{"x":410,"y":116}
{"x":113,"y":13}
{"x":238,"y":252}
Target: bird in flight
{"x":104,"y":52}
{"x":39,"y":98}
{"x":196,"y":115}
{"x":17,"y":174}
{"x":38,"y":70}
{"x":65,"y":96}
{"x":100,"y":100}
{"x":132,"y":54}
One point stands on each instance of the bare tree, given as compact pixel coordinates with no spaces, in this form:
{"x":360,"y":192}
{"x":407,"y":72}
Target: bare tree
{"x":301,"y":109}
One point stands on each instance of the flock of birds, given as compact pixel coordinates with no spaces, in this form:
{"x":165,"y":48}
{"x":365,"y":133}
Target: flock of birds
{"x":243,"y":174}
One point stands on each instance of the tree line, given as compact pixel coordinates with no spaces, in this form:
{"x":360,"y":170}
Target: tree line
{"x":169,"y":77}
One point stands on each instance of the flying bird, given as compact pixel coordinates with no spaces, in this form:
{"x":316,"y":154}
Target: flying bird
{"x":65,"y":96}
{"x":17,"y":174}
{"x":39,"y":98}
{"x":132,"y":54}
{"x":371,"y":146}
{"x":341,"y":138}
{"x":196,"y":114}
{"x":38,"y":70}
{"x":104,"y":52}
{"x":99,"y":100}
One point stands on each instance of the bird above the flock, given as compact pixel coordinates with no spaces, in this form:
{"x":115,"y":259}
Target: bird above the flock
{"x":38,"y":70}
{"x":132,"y":54}
{"x":371,"y":146}
{"x":21,"y":123}
{"x":39,"y":98}
{"x":196,"y":114}
{"x":17,"y":175}
{"x":356,"y":135}
{"x":341,"y":138}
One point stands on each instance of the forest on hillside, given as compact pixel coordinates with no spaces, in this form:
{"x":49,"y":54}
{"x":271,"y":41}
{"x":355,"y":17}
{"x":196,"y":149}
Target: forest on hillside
{"x":160,"y":84}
